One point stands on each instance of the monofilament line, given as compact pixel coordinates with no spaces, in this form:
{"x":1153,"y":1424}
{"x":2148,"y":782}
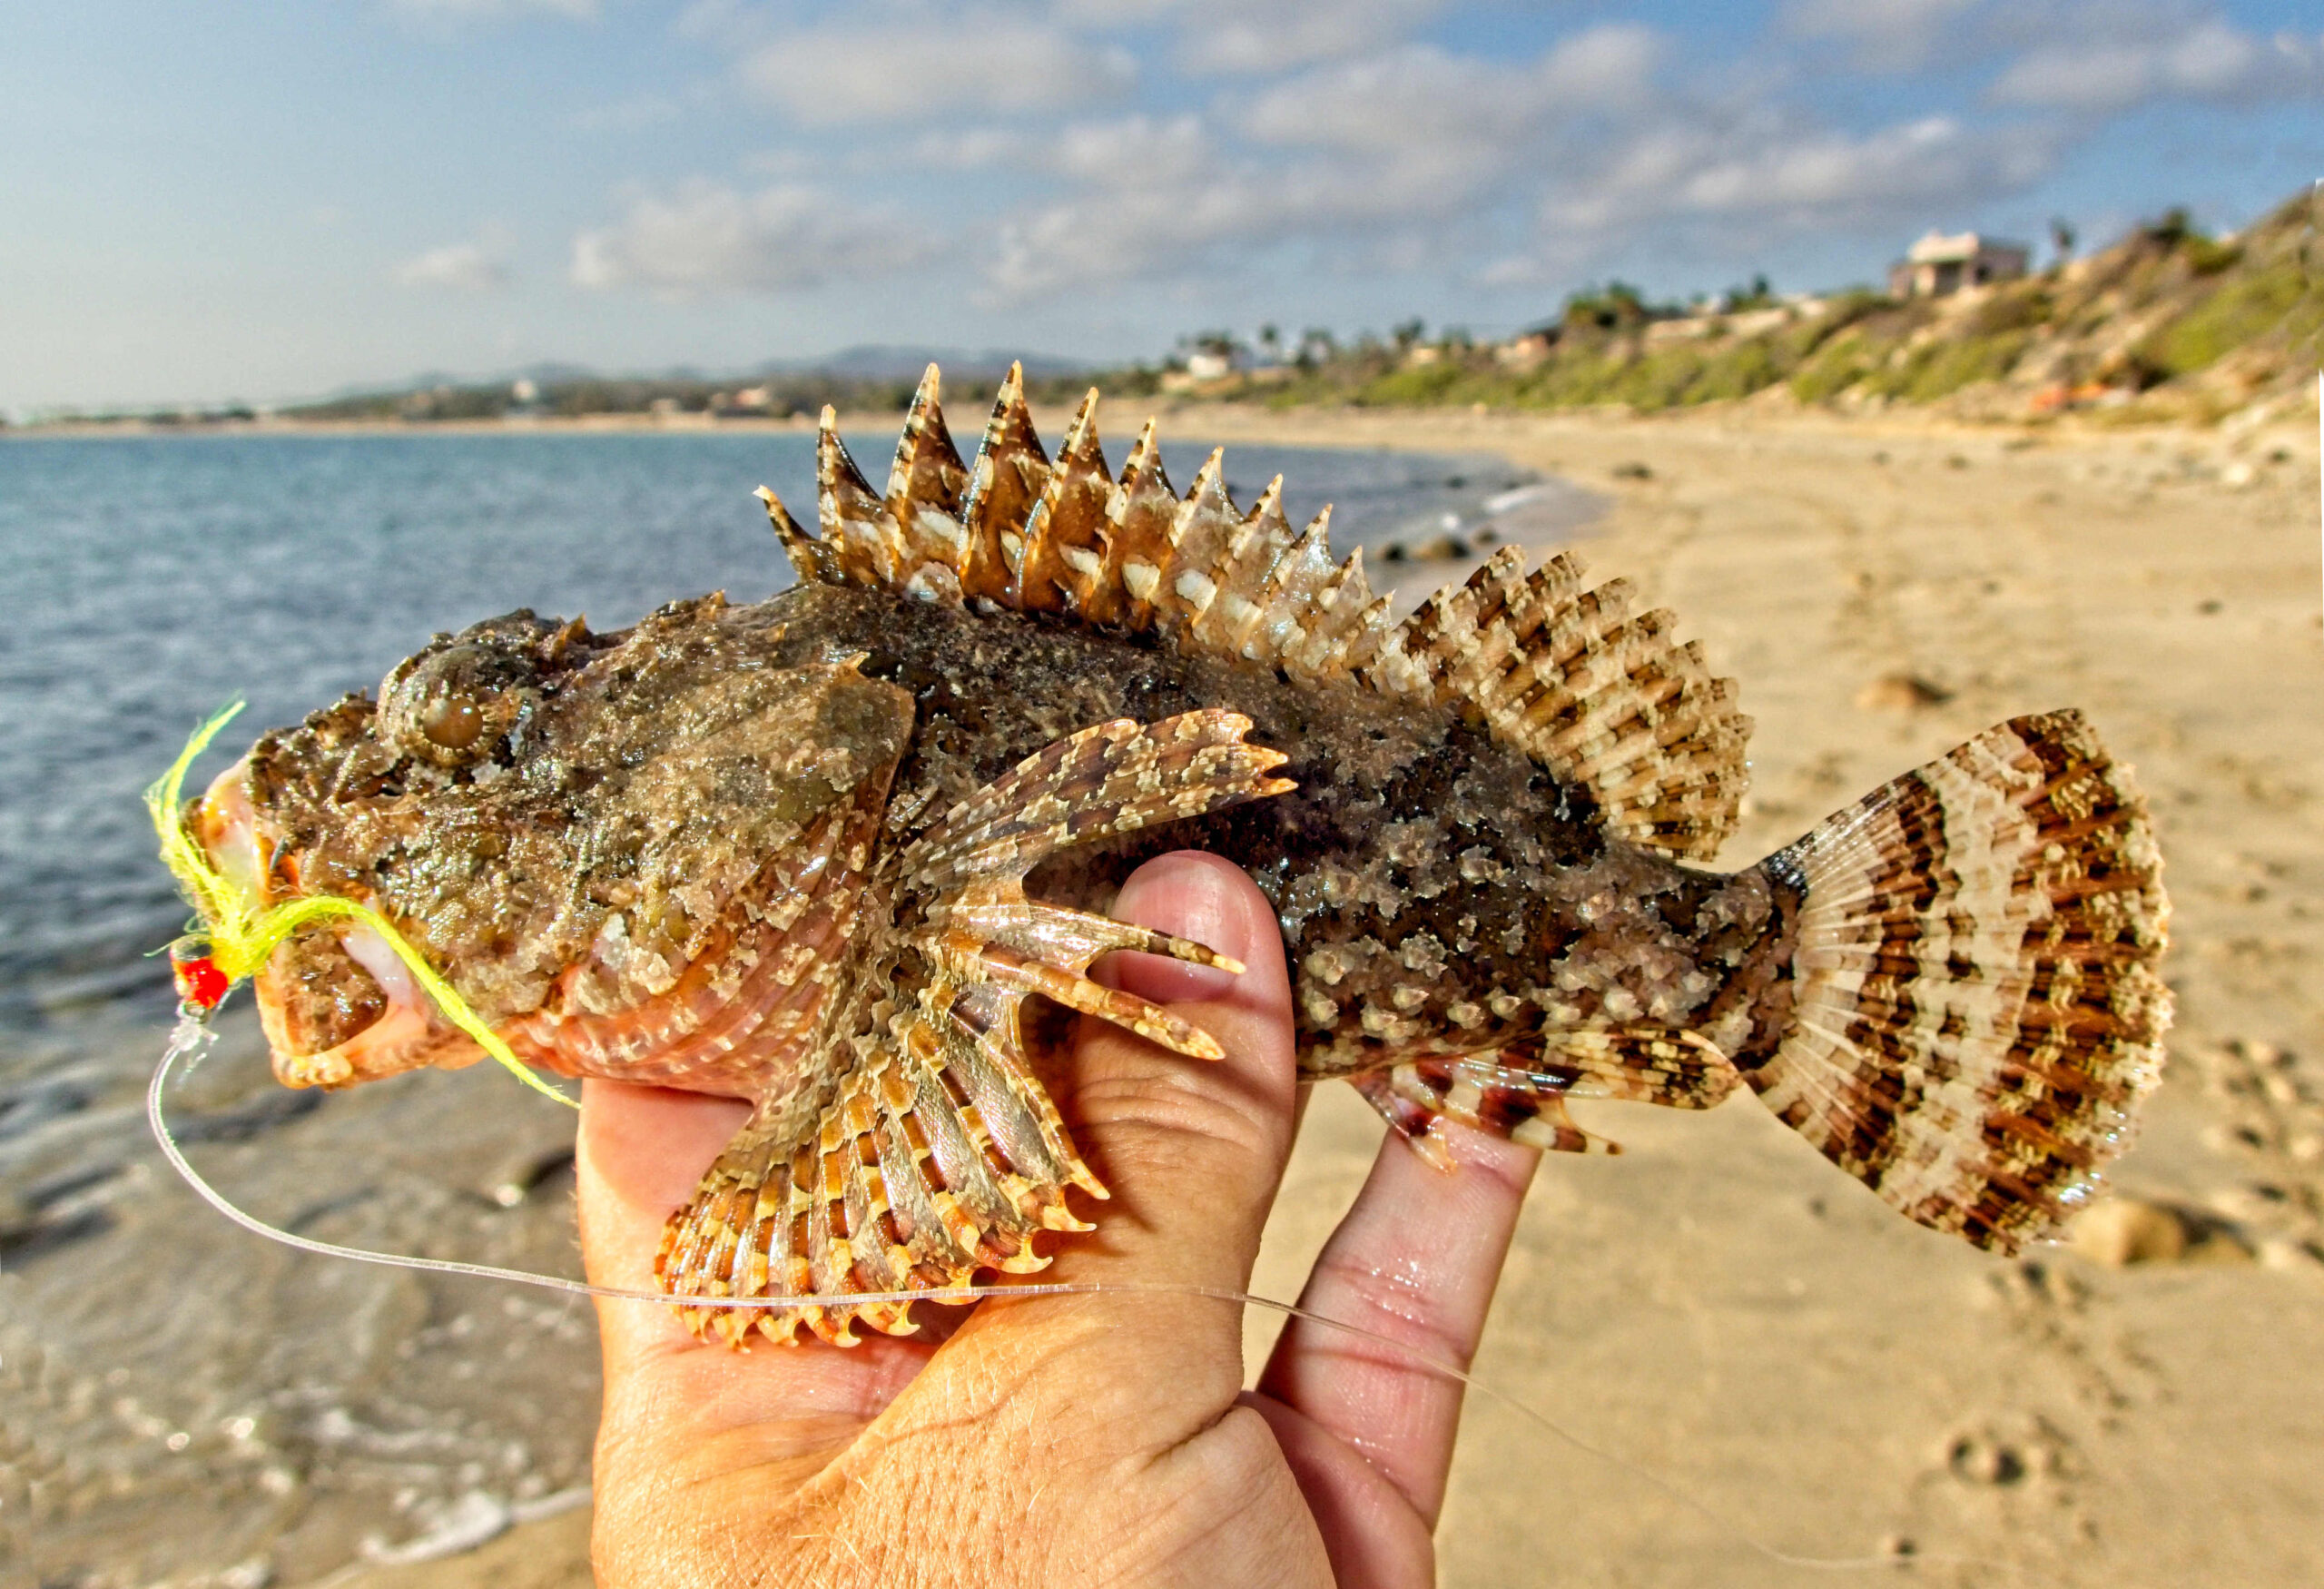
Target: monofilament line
{"x":193,"y":1038}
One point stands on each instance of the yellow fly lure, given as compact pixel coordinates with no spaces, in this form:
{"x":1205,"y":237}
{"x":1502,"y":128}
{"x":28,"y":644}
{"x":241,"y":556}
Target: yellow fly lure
{"x":236,"y":931}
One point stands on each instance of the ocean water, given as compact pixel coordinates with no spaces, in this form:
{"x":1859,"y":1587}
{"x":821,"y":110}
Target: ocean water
{"x":177,"y":1397}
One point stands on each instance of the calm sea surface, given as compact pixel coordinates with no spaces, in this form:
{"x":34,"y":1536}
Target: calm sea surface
{"x":179,"y":1397}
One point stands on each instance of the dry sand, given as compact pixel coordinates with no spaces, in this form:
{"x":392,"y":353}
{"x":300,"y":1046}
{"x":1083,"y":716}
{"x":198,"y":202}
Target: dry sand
{"x":1771,"y":1360}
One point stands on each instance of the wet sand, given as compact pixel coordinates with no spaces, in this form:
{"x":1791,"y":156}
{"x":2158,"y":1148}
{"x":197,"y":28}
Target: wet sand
{"x":1768,"y":1358}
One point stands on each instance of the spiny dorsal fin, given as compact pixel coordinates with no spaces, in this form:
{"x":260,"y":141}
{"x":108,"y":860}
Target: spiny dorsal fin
{"x":1596,"y":692}
{"x":1586,"y":687}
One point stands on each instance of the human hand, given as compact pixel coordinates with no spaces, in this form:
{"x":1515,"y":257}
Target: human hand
{"x":1069,"y":1439}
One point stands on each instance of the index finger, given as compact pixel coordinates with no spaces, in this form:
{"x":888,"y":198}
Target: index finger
{"x":1416,"y":1260}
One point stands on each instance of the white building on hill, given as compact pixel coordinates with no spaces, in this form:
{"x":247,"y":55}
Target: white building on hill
{"x":1939,"y":264}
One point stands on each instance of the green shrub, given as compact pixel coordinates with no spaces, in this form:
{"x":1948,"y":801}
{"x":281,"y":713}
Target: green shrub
{"x":1839,"y":364}
{"x":1939,"y":368}
{"x":2207,"y":257}
{"x":2239,"y":311}
{"x":2012,"y":309}
{"x":1740,"y":372}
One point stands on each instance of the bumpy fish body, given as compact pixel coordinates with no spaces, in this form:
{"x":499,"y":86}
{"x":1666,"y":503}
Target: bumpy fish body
{"x":823,"y":852}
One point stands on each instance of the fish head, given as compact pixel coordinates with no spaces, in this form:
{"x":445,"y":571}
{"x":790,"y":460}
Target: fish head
{"x":552,"y":820}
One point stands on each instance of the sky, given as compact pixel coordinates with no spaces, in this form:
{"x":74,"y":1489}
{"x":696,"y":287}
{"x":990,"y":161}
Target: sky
{"x":258,"y":202}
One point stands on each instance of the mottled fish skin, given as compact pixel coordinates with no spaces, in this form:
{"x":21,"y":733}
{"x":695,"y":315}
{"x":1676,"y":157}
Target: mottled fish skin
{"x":1439,"y":892}
{"x":836,"y":852}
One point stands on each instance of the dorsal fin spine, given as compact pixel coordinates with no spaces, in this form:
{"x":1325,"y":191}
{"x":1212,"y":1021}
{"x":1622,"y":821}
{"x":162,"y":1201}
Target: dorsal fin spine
{"x":1006,"y":485}
{"x":1199,"y":532}
{"x":923,"y":498}
{"x":1141,"y":512}
{"x":810,"y":558}
{"x":855,"y":523}
{"x":1065,"y":532}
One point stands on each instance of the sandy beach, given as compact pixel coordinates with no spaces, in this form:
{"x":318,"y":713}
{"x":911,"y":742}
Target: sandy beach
{"x":1762,"y":1360}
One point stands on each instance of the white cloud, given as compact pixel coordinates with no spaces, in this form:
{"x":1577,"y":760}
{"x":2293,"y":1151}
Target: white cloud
{"x":1758,"y":177}
{"x":1390,"y":160}
{"x":477,"y":266}
{"x":708,"y":238}
{"x":1357,"y":144}
{"x":973,"y":148}
{"x":2203,"y":60}
{"x":1265,"y":36}
{"x":1419,"y":99}
{"x":1933,"y":160}
{"x":910,"y":70}
{"x":2087,"y":56}
{"x":1153,"y":196}
{"x":1883,"y":36}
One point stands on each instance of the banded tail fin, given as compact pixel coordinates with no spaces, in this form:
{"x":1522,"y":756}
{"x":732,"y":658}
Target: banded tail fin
{"x":1976,"y":1013}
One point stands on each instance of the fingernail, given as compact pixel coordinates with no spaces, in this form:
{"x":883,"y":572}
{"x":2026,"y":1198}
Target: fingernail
{"x":1188,"y":898}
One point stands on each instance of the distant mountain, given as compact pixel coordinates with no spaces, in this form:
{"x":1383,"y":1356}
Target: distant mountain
{"x":865,"y":365}
{"x":888,"y":362}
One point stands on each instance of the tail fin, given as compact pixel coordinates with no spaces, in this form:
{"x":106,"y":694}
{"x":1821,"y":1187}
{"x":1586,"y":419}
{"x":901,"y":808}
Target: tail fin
{"x":1975,"y":1013}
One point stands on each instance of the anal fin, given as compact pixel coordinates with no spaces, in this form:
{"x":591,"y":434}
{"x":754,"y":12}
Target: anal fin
{"x":1518,"y":1090}
{"x":1480,"y":1094}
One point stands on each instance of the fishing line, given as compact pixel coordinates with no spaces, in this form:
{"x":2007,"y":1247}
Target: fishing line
{"x":193,"y":1038}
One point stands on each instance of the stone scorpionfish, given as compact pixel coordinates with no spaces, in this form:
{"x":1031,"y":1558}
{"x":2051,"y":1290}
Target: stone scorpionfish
{"x":782,"y":853}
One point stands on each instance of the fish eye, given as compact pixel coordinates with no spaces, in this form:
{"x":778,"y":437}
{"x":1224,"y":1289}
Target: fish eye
{"x":453,"y":722}
{"x":450,"y":707}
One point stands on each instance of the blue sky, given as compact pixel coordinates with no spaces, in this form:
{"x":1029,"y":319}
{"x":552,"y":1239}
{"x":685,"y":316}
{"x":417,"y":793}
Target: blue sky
{"x":262,"y":201}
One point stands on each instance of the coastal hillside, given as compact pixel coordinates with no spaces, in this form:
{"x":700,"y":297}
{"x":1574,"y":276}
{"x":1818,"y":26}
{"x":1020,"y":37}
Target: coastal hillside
{"x":2165,"y":324}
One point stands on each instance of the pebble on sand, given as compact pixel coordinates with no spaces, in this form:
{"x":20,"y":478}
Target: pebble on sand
{"x":1443,"y":548}
{"x":2125,"y":1231}
{"x":1901,"y":692}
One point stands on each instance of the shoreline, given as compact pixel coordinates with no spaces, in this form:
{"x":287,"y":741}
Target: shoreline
{"x":1245,"y":419}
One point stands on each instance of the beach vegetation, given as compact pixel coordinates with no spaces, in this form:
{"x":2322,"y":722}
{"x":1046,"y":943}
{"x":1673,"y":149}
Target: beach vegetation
{"x":2239,"y":312}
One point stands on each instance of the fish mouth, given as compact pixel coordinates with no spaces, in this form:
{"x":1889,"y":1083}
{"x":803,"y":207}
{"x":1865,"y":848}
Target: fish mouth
{"x":405,"y":1034}
{"x":337,"y":1002}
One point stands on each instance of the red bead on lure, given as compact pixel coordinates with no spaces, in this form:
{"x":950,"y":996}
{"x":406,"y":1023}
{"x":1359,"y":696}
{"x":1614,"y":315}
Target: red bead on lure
{"x":201,"y":985}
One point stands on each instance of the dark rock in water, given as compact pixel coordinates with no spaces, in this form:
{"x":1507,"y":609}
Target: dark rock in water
{"x":1443,"y":548}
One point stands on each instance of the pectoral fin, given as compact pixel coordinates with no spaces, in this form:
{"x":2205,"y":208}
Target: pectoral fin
{"x":930,"y":1149}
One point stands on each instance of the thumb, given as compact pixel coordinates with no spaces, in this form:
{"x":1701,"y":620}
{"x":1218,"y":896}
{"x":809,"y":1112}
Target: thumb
{"x":1190,"y":1149}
